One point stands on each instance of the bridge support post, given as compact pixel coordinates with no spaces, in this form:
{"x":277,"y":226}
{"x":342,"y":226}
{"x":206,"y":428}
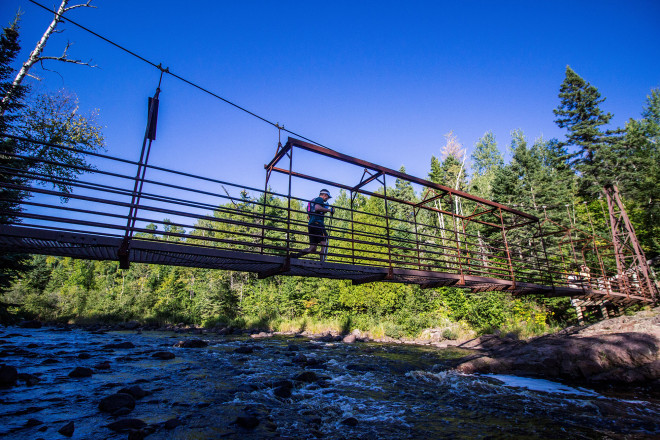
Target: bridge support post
{"x":149,"y":136}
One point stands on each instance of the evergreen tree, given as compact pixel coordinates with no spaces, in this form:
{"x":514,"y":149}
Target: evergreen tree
{"x":10,"y":264}
{"x":579,"y":112}
{"x":486,"y":159}
{"x":641,"y":175}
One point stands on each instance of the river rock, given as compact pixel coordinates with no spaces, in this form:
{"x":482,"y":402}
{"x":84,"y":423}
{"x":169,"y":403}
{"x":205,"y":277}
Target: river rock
{"x":50,"y":361}
{"x":131,"y":325}
{"x":81,"y":372}
{"x":84,"y":355}
{"x":262,"y":335}
{"x":105,"y":365}
{"x":247,"y":421}
{"x":598,"y":353}
{"x":67,"y":430}
{"x":125,"y":425}
{"x":114,"y":402}
{"x":30,"y":324}
{"x":306,"y":376}
{"x":8,"y":375}
{"x":244,"y":349}
{"x":163,"y":355}
{"x":29,"y":379}
{"x":191,"y":343}
{"x":283,"y":392}
{"x":351,"y":421}
{"x":172,"y":423}
{"x":126,"y":344}
{"x":293,"y":347}
{"x":349,"y":339}
{"x":136,"y":391}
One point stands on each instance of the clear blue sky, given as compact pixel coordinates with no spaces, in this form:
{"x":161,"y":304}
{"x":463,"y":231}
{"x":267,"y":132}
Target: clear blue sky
{"x":380,"y":80}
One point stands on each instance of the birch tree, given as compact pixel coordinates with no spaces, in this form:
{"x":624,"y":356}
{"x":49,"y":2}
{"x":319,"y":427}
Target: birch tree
{"x":37,"y":54}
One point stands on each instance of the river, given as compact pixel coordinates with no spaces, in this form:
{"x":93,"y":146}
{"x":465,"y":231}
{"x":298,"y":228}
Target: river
{"x":291,"y":387}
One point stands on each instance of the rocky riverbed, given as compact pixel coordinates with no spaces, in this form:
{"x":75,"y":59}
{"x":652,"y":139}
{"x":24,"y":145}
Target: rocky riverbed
{"x":175,"y":383}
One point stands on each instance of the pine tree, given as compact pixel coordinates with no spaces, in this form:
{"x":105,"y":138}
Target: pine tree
{"x":579,"y":112}
{"x":486,"y":159}
{"x":10,"y":264}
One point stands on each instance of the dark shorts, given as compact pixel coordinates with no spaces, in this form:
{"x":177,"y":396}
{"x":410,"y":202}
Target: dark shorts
{"x":317,"y":233}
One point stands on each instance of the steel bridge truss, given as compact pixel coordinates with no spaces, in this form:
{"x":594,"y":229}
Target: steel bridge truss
{"x":101,"y":209}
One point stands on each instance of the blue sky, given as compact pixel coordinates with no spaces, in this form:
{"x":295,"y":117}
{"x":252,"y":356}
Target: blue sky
{"x":380,"y":80}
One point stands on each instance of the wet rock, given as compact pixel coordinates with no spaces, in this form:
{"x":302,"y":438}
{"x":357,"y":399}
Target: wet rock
{"x":163,"y":355}
{"x":136,"y":391}
{"x":67,"y":430}
{"x":32,"y":345}
{"x":105,"y":365}
{"x":283,"y":392}
{"x":599,"y":353}
{"x":125,"y":425}
{"x":247,"y":421}
{"x":131,"y":325}
{"x":126,"y":344}
{"x":33,"y":422}
{"x":115,"y":402}
{"x":172,"y":423}
{"x":349,"y":339}
{"x":299,"y":359}
{"x":306,"y":376}
{"x":244,"y":349}
{"x":360,"y":367}
{"x":29,"y":379}
{"x":30,"y":324}
{"x":50,"y":361}
{"x":351,"y":421}
{"x":84,"y":355}
{"x":8,"y":375}
{"x":81,"y":372}
{"x":192,"y":343}
{"x":293,"y":347}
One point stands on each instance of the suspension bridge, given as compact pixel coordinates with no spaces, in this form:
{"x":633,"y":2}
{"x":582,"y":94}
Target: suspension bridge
{"x":117,"y":210}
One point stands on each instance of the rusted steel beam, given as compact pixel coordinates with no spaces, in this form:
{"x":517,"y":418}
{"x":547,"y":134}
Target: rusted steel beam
{"x":368,"y":180}
{"x":403,"y":176}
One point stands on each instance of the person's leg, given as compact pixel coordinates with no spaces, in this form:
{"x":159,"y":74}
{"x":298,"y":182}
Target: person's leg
{"x":324,"y":250}
{"x":315,"y":236}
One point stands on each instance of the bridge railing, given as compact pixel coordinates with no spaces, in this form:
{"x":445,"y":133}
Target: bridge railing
{"x":440,"y":230}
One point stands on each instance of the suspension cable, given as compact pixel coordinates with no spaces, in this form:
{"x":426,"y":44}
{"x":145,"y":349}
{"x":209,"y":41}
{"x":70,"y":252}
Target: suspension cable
{"x":159,"y":67}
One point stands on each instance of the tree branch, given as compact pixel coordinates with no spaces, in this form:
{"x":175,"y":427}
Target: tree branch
{"x":35,"y":55}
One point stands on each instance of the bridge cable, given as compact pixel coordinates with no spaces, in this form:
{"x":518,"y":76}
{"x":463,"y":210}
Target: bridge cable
{"x":159,"y":67}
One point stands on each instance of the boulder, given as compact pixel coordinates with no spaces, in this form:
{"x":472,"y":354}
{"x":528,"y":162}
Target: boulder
{"x":131,"y":325}
{"x":192,"y":343}
{"x":244,"y":349}
{"x":8,"y":375}
{"x":247,"y":421}
{"x":105,"y":365}
{"x":351,"y":421}
{"x":136,"y":391}
{"x":306,"y":376}
{"x":81,"y":372}
{"x":172,"y":423}
{"x":126,"y":344}
{"x":125,"y":425}
{"x":30,"y":324}
{"x":114,"y":402}
{"x":163,"y":355}
{"x":67,"y":430}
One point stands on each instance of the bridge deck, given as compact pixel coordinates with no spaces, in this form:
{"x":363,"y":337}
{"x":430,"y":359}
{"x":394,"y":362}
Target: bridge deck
{"x":104,"y":247}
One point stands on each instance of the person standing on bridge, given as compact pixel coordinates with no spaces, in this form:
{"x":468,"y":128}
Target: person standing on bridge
{"x":316,"y":210}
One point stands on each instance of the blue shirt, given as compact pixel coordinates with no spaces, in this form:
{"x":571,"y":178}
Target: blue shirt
{"x":317,"y":217}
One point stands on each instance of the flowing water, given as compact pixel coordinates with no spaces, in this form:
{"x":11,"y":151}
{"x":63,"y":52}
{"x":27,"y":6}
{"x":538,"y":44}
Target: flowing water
{"x":357,"y":391}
